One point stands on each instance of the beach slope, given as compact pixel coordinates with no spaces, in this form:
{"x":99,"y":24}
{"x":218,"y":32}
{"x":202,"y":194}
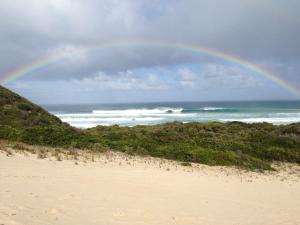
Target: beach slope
{"x":118,"y":189}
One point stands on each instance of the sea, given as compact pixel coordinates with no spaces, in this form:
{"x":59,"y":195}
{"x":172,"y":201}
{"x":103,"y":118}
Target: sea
{"x":132,"y":114}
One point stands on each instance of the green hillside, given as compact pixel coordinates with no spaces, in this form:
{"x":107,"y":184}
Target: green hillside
{"x":21,"y":120}
{"x":17,"y":111}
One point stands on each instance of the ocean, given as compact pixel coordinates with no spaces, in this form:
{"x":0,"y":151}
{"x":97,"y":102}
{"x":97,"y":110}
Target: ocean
{"x":131,"y":114}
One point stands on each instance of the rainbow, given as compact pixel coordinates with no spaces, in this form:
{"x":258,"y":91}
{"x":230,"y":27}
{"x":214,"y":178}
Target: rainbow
{"x":59,"y":55}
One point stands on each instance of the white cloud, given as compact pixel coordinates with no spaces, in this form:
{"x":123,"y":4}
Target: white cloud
{"x":187,"y":77}
{"x":29,"y":27}
{"x":72,"y":54}
{"x":123,"y":81}
{"x":226,"y":76}
{"x":255,"y":30}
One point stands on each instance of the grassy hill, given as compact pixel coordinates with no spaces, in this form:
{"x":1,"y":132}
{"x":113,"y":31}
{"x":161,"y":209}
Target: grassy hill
{"x":250,"y":146}
{"x":21,"y":120}
{"x":17,"y":111}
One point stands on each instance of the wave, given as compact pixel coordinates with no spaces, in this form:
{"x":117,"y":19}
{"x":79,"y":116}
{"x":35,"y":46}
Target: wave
{"x":213,"y":108}
{"x":141,"y":112}
{"x":122,"y":121}
{"x":287,"y":114}
{"x":161,"y":110}
{"x":158,"y":115}
{"x":110,"y":119}
{"x":208,"y":109}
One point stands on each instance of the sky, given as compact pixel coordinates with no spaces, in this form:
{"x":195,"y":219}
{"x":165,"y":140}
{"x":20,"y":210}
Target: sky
{"x":265,"y":33}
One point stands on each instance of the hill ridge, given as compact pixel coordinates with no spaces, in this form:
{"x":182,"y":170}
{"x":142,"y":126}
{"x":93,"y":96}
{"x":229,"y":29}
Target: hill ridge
{"x":18,"y":111}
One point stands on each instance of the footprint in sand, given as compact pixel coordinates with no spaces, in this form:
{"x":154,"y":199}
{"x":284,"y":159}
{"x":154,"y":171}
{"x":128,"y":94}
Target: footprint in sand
{"x":7,"y":211}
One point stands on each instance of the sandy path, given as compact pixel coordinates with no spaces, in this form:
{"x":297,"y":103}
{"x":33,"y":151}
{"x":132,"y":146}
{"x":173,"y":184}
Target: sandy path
{"x":39,"y":191}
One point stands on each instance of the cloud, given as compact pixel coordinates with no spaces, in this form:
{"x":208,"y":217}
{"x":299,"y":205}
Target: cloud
{"x":220,"y":76}
{"x":253,"y":29}
{"x":187,"y":77}
{"x":263,"y":32}
{"x":229,"y":77}
{"x":215,"y":82}
{"x":124,"y":81}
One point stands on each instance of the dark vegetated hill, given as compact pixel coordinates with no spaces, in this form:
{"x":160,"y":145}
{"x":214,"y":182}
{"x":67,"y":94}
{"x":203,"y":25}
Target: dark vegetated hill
{"x":17,"y":111}
{"x":21,"y":120}
{"x":250,"y":146}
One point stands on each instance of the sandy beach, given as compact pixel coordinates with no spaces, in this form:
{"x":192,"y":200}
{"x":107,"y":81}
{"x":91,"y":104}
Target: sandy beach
{"x":118,"y":189}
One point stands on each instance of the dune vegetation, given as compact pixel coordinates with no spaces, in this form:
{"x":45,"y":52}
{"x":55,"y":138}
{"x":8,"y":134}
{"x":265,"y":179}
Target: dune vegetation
{"x":249,"y":146}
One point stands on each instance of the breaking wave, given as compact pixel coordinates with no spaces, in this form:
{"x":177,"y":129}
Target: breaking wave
{"x":158,"y":115}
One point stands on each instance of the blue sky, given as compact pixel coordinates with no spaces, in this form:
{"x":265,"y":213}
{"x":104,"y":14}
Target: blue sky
{"x":265,"y":33}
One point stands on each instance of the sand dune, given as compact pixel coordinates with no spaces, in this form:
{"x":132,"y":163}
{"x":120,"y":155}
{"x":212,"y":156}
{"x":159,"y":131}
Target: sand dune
{"x":115,"y":189}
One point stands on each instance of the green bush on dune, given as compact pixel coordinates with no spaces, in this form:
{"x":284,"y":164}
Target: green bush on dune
{"x":250,"y":146}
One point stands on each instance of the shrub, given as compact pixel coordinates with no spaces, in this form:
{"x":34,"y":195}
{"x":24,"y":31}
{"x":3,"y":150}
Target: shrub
{"x":24,"y":106}
{"x":186,"y":164}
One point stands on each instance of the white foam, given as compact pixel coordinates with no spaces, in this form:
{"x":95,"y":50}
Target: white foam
{"x":287,"y":114}
{"x":212,"y":108}
{"x":113,"y":119}
{"x":144,"y":116}
{"x":131,"y":112}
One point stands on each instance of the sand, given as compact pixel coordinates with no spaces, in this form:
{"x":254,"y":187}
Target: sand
{"x":116,"y":189}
